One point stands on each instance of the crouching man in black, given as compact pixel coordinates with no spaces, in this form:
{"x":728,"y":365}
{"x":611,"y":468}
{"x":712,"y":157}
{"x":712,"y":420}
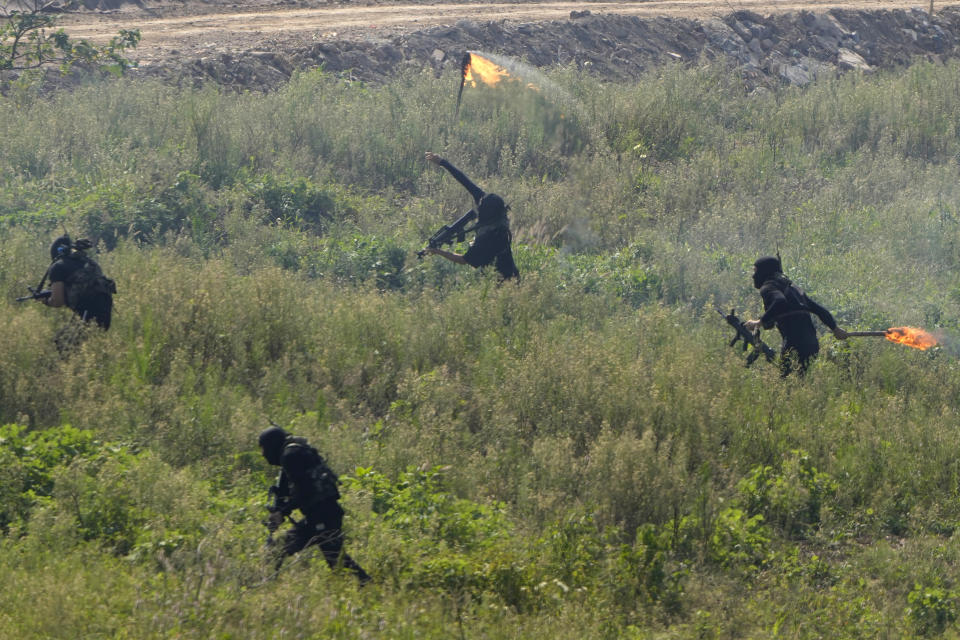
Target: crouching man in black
{"x":789,"y":308}
{"x":305,"y":482}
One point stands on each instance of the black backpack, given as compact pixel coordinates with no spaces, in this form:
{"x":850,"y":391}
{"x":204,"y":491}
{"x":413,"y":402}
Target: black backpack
{"x":87,"y":282}
{"x":324,"y":479}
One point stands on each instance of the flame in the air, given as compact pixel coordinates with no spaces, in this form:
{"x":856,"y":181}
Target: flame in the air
{"x":912,"y":337}
{"x":474,"y":67}
{"x":479,"y":68}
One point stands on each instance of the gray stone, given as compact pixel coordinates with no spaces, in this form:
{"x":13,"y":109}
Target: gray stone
{"x":849,"y":60}
{"x":827,"y":25}
{"x":795,"y":75}
{"x":826,"y":42}
{"x":741,"y":31}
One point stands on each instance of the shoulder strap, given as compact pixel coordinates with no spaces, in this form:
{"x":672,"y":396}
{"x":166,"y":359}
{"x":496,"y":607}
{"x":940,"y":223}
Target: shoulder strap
{"x":795,"y":298}
{"x":84,"y":262}
{"x":299,"y":442}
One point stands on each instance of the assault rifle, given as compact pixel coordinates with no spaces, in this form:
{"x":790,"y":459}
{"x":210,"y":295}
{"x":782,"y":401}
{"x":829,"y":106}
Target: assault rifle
{"x":280,"y":505}
{"x":749,"y":338}
{"x":450,"y":233}
{"x":35,"y":294}
{"x":277,"y":506}
{"x":38,"y":292}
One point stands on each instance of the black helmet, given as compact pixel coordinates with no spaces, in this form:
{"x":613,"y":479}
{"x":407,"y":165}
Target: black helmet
{"x":764,"y":269}
{"x":271,"y":443}
{"x":60,"y":247}
{"x":491,"y":210}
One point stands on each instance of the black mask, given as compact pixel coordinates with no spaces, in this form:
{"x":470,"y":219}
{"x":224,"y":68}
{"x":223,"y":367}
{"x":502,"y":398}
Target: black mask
{"x":491,"y":210}
{"x":764,"y":269}
{"x":272,"y":441}
{"x":60,"y":248}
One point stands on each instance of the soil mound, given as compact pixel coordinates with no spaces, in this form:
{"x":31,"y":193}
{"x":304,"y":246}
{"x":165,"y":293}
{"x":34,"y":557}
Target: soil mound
{"x":789,"y":48}
{"x":780,"y":48}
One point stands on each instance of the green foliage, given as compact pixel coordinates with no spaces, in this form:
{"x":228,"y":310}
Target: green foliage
{"x":931,"y":609}
{"x":625,"y":274}
{"x":28,"y":41}
{"x":573,"y":548}
{"x":358,"y":259}
{"x":417,"y":505}
{"x":296,"y":203}
{"x":63,"y":481}
{"x":460,"y":548}
{"x":647,"y":572}
{"x":575,"y":455}
{"x":729,"y":537}
{"x":29,"y":460}
{"x":792,"y":499}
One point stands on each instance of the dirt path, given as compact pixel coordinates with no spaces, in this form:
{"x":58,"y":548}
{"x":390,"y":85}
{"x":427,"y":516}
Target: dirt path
{"x":245,"y":25}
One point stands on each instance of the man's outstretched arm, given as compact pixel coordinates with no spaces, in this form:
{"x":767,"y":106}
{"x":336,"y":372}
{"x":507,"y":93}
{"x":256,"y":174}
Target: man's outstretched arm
{"x":476,"y":192}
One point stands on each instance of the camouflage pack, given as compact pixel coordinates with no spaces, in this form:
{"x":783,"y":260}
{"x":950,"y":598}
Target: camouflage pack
{"x":87,"y":282}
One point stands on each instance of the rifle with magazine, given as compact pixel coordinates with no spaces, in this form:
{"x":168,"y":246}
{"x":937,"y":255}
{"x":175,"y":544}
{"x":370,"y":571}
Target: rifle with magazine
{"x":450,"y":233}
{"x":749,"y":339}
{"x":279,"y":509}
{"x":36,"y":293}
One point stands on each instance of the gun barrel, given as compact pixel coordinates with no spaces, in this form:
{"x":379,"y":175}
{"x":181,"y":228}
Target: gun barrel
{"x":35,"y":295}
{"x":867,"y":334}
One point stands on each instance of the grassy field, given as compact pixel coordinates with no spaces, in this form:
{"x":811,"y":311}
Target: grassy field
{"x":579,"y":455}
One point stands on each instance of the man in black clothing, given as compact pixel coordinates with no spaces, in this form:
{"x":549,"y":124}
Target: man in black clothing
{"x":492,"y":243}
{"x":77,"y":282}
{"x":788,"y":307}
{"x":305,"y":482}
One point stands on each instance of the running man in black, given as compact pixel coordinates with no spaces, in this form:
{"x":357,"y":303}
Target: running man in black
{"x":788,"y":307}
{"x":305,"y":482}
{"x":493,"y":239}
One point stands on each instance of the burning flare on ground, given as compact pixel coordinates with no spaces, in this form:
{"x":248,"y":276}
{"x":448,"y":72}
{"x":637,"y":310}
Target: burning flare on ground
{"x":912,"y":337}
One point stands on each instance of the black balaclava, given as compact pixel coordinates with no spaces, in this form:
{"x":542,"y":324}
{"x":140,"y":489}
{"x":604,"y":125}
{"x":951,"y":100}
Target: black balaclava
{"x":271,"y":442}
{"x":764,"y":269}
{"x":60,"y":248}
{"x":491,"y":210}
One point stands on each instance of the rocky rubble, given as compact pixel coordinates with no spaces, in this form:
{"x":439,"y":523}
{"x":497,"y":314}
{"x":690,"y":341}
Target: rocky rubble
{"x":783,"y":48}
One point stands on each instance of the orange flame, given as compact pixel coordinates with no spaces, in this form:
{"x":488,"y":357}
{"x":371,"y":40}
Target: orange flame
{"x":912,"y":337}
{"x":480,"y":68}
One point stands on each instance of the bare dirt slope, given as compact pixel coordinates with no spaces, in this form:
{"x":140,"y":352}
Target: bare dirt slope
{"x":259,"y":43}
{"x":244,"y":23}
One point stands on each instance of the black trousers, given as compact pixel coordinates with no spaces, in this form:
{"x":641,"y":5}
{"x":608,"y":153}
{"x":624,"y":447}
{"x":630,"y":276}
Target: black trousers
{"x":329,"y":537}
{"x":797,"y":357}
